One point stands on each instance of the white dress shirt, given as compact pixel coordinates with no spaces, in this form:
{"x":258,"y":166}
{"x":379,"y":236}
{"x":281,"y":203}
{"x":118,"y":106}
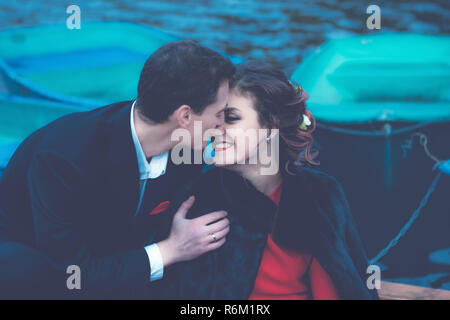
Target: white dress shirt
{"x":149,"y":170}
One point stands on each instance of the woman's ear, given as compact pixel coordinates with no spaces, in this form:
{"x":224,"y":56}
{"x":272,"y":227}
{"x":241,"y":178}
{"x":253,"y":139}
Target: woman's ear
{"x":184,"y":116}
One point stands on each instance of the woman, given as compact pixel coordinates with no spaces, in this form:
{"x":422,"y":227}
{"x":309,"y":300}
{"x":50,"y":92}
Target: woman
{"x":292,"y":235}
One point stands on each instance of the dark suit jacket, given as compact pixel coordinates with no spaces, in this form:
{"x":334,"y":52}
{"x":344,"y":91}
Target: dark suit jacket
{"x":313,"y":217}
{"x":71,"y":191}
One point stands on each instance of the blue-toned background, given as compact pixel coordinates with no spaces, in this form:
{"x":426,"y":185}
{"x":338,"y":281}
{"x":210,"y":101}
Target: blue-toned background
{"x":278,"y":31}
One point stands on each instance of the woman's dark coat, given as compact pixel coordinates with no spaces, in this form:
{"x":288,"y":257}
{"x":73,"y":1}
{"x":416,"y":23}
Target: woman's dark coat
{"x":313,"y":217}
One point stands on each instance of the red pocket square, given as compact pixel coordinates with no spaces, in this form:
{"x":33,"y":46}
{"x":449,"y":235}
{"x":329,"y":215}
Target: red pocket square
{"x":160,"y":208}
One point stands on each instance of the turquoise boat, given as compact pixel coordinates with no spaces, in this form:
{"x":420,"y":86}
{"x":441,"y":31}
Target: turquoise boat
{"x":95,"y":65}
{"x":382,"y":107}
{"x":380,"y":77}
{"x":19,"y":117}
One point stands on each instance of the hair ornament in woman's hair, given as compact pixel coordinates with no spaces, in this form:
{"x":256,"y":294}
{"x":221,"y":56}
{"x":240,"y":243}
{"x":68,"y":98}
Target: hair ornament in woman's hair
{"x":306,"y":122}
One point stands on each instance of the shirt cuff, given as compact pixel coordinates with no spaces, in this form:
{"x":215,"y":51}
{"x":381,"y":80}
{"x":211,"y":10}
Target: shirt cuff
{"x":156,"y":262}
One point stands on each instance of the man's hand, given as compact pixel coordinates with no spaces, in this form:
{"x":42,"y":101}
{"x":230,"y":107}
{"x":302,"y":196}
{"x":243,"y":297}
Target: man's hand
{"x":190,"y":238}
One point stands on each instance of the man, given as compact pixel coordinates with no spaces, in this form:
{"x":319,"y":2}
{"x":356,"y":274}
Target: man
{"x":90,"y":188}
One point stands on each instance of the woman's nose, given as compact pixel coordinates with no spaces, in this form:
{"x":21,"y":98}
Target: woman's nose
{"x":221,"y":126}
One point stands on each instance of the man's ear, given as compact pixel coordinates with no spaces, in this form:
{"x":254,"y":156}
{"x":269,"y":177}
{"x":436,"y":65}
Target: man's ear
{"x":184,"y":116}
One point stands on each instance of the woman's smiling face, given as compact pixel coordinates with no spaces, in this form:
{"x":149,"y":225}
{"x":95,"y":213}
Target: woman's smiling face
{"x":241,"y":138}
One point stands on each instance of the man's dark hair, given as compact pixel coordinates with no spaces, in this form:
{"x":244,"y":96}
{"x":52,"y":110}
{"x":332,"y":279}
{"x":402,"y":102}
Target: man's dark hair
{"x":178,"y":73}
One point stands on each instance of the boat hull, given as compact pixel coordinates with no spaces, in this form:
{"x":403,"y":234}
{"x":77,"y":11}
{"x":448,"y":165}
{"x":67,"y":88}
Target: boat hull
{"x":93,"y":66}
{"x":19,"y":117}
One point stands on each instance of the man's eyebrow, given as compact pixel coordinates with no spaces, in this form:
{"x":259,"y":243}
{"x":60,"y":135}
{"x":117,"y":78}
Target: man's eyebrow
{"x":222,"y":109}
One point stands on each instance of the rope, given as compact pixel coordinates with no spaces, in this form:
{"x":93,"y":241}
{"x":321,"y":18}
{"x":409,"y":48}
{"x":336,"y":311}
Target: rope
{"x":408,"y":145}
{"x":376,"y":133}
{"x":406,"y":227}
{"x":423,"y":141}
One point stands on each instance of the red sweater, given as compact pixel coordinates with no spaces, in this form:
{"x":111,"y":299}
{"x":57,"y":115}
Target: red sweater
{"x":281,"y":272}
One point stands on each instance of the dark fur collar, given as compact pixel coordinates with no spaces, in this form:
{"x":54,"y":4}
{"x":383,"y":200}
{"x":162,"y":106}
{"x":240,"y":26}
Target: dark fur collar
{"x":313,"y":217}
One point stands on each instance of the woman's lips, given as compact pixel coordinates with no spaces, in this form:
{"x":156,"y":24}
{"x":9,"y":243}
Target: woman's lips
{"x":221,"y":146}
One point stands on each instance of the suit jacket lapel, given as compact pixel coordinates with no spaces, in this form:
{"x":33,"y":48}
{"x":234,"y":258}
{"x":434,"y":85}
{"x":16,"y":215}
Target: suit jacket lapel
{"x":122,"y":173}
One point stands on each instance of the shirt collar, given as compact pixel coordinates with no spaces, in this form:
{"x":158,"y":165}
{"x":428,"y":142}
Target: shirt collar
{"x":158,"y":164}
